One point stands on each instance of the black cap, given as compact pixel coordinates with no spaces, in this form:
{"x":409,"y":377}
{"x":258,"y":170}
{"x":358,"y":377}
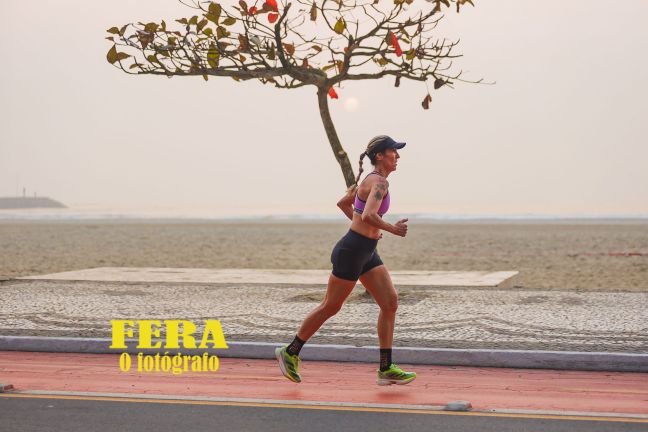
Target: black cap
{"x":383,"y":142}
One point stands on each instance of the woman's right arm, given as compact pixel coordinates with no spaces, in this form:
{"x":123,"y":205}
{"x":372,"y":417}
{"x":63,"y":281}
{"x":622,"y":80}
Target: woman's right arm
{"x":370,"y":214}
{"x":346,"y":202}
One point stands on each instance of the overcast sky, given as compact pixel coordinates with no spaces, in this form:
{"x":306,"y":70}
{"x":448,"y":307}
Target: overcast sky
{"x":562,"y":132}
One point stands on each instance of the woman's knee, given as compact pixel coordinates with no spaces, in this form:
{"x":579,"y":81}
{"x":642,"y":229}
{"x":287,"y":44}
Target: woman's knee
{"x":390,"y":305}
{"x":330,"y":308}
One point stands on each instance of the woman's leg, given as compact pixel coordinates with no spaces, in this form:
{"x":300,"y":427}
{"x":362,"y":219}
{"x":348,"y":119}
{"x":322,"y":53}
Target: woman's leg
{"x":379,"y":284}
{"x":336,"y":293}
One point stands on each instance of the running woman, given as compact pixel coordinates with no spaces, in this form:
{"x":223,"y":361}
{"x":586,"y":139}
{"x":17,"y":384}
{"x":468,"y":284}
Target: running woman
{"x":355,"y":257}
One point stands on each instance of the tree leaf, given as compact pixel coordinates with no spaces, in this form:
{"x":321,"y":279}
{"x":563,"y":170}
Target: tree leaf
{"x":221,"y":32}
{"x":244,"y":43}
{"x":426,"y":102}
{"x":144,"y":38}
{"x":438,"y":83}
{"x":215,"y":9}
{"x":122,"y":56}
{"x":272,"y":4}
{"x":201,"y":24}
{"x":213,"y":55}
{"x":317,"y":48}
{"x":229,"y":21}
{"x":112,"y":55}
{"x":290,"y":48}
{"x":214,"y":12}
{"x":313,"y":12}
{"x":382,"y":61}
{"x":113,"y":30}
{"x":151,"y":27}
{"x":395,"y":44}
{"x":397,"y":83}
{"x":340,"y":25}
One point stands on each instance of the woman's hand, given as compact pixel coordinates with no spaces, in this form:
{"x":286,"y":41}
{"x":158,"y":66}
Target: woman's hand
{"x":346,"y":203}
{"x":400,"y":228}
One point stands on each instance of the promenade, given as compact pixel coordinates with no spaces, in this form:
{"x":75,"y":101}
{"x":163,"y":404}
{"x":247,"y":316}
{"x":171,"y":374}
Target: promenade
{"x":456,"y":317}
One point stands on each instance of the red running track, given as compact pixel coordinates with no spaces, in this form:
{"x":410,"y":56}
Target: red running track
{"x":485,"y":388}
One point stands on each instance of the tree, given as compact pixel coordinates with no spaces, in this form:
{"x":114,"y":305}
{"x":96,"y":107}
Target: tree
{"x":322,"y":43}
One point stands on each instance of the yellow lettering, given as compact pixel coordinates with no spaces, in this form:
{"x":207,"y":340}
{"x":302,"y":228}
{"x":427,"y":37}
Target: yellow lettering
{"x":213,"y":328}
{"x":119,"y":331}
{"x":148,"y":329}
{"x":173,"y":334}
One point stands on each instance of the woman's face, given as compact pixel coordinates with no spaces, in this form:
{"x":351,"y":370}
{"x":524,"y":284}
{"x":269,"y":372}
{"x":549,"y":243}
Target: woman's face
{"x":390,"y":159}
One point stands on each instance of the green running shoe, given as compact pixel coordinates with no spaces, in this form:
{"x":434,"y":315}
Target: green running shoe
{"x":289,"y":364}
{"x":394,"y":375}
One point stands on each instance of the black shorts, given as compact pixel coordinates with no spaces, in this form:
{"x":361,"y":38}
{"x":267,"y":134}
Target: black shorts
{"x":354,"y":255}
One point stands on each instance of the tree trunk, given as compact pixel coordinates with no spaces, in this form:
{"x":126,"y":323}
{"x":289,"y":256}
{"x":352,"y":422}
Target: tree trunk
{"x":338,"y":151}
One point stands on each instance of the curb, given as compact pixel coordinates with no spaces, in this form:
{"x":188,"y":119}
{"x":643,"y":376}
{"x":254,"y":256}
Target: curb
{"x":562,"y":360}
{"x":556,"y":414}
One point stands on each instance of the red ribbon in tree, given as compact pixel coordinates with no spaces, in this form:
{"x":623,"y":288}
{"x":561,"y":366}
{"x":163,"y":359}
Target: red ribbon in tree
{"x":253,"y":10}
{"x":272,"y":17}
{"x":395,"y":44}
{"x":332,"y":93}
{"x":273,"y":4}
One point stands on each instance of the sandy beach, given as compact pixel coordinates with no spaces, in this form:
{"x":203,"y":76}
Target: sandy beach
{"x":579,"y":256}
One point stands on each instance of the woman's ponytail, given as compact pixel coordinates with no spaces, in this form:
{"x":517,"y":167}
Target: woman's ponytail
{"x":360,"y":168}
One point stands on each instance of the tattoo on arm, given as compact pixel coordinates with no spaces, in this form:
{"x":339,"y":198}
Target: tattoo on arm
{"x":380,"y":190}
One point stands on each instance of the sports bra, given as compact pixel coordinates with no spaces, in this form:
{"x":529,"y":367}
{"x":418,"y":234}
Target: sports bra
{"x":359,"y":205}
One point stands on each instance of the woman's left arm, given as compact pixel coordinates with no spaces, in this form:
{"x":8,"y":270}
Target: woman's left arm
{"x":346,"y":202}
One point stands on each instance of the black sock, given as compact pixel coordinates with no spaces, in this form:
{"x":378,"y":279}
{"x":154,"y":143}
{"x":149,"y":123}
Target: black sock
{"x":295,"y":346}
{"x":385,"y":358}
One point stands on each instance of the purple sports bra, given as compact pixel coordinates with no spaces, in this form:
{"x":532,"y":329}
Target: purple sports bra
{"x":359,"y":205}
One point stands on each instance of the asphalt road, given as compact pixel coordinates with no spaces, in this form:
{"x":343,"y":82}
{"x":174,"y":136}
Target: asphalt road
{"x":63,"y":414}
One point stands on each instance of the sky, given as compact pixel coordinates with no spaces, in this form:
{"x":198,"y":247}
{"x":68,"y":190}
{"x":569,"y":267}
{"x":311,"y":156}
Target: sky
{"x":562,"y":131}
